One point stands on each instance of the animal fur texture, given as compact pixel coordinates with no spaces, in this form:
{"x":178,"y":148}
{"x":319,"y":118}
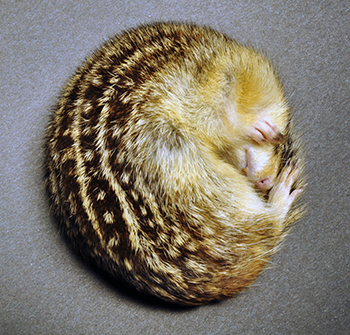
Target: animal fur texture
{"x":171,"y":162}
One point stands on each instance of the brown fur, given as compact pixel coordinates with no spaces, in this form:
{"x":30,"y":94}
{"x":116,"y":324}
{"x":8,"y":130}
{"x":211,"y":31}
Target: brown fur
{"x":156,"y":154}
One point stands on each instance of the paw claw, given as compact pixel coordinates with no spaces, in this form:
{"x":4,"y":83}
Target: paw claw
{"x":296,"y":193}
{"x":266,"y":131}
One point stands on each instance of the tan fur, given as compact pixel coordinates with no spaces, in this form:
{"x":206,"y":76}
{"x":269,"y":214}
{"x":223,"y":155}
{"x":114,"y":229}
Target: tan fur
{"x":161,"y":155}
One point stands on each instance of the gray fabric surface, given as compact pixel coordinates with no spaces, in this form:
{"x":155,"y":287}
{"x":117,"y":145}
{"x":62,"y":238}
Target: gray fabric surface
{"x":46,"y":289}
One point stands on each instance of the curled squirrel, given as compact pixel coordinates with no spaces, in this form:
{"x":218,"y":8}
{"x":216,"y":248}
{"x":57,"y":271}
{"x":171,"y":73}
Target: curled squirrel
{"x":171,"y":162}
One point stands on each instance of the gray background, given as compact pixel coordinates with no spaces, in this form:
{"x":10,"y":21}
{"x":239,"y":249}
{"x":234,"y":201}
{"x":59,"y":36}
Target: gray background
{"x":46,"y":289}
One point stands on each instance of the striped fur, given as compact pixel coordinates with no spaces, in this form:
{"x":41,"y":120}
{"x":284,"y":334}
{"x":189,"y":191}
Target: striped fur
{"x":147,"y":157}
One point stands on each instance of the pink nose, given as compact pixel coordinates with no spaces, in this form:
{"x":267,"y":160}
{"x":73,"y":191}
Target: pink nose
{"x":263,"y":184}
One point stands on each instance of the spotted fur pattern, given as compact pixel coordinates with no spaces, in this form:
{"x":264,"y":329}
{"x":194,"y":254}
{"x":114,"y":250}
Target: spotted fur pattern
{"x":137,"y":168}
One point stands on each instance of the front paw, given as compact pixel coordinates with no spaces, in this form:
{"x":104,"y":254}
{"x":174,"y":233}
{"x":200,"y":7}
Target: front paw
{"x":265,"y":130}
